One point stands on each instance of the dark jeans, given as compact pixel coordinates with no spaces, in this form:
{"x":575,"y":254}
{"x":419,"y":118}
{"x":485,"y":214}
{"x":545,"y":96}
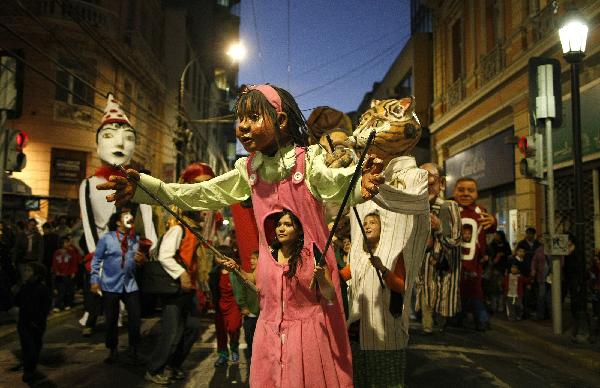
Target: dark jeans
{"x":65,"y":287}
{"x":111,"y":315}
{"x":544,"y":299}
{"x":176,"y":338}
{"x":30,"y":337}
{"x":249,"y":328}
{"x":92,"y":302}
{"x":477,"y":307}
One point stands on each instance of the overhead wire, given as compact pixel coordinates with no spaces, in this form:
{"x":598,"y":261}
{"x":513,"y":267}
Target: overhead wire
{"x":88,"y":67}
{"x":68,"y":71}
{"x":91,"y":69}
{"x":65,"y":87}
{"x":88,"y":30}
{"x":380,"y":56}
{"x":49,"y":78}
{"x":289,"y":48}
{"x":258,"y":45}
{"x":346,"y":54}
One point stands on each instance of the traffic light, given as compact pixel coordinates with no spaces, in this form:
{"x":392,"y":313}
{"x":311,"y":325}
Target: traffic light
{"x":532,"y":148}
{"x":16,"y":140}
{"x":11,"y":83}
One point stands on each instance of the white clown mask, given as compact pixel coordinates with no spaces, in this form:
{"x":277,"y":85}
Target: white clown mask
{"x":127,"y":220}
{"x":116,"y":143}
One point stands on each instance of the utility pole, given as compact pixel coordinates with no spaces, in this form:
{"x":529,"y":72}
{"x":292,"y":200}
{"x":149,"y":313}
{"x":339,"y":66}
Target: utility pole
{"x":3,"y":150}
{"x":543,"y":89}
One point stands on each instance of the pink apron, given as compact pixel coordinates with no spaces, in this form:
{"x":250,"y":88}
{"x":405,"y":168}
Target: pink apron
{"x":300,"y":338}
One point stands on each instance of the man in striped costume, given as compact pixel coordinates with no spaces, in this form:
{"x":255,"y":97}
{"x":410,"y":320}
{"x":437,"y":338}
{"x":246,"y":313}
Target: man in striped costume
{"x":438,"y":289}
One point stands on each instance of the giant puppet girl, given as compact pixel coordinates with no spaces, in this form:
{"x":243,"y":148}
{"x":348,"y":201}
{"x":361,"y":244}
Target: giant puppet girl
{"x":300,"y":338}
{"x":402,"y":208}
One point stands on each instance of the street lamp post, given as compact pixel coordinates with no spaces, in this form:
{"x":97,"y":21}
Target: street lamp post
{"x":573,"y":35}
{"x":236,"y":51}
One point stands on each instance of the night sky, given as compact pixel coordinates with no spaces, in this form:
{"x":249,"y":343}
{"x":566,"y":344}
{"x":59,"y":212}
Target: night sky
{"x":337,"y":49}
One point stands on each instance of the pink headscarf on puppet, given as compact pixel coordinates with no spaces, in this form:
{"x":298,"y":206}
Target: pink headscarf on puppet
{"x":270,"y":94}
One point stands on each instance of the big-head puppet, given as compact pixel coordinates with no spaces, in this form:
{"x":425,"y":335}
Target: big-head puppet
{"x":115,"y":139}
{"x":403,"y":208}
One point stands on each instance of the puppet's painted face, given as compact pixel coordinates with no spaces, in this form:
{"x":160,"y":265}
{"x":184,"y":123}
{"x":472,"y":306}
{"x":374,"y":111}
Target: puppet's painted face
{"x":396,"y":125}
{"x":465,"y":193}
{"x":257,"y":132}
{"x":116,"y":143}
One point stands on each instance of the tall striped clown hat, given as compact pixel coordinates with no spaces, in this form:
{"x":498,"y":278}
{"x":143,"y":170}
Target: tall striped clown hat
{"x":113,"y":112}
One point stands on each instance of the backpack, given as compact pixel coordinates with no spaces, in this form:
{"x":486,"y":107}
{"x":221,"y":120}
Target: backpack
{"x":155,"y":280}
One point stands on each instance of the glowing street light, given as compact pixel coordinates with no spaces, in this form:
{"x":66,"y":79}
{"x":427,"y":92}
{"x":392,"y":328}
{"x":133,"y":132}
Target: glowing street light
{"x":236,"y":51}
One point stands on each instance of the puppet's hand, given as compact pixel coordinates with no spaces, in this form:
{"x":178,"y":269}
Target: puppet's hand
{"x":124,"y":188}
{"x":371,"y":177}
{"x":340,"y":157}
{"x":487,"y":220}
{"x":228,"y":263}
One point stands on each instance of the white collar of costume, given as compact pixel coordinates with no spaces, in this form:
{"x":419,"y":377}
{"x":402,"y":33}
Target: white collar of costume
{"x":288,"y":154}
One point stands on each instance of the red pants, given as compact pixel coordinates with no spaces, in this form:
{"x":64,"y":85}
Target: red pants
{"x":228,"y":325}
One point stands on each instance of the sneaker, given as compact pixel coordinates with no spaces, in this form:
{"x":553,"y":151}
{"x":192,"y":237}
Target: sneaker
{"x":56,"y":310}
{"x":175,"y":373}
{"x":67,"y":308}
{"x":86,"y":332}
{"x":235,"y":357}
{"x":157,"y":378}
{"x":84,"y":319}
{"x":221,"y":361}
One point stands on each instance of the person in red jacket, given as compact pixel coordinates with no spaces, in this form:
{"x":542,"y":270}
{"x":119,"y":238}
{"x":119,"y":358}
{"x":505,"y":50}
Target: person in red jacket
{"x":64,"y":268}
{"x":514,"y":288}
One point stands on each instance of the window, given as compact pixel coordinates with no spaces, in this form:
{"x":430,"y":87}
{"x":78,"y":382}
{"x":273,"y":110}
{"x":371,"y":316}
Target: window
{"x":73,"y":90}
{"x":456,"y":50}
{"x":404,"y":88}
{"x":490,"y":24}
{"x":221,"y":79}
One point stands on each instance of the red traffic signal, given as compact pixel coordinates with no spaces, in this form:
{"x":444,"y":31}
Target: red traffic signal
{"x":22,"y":140}
{"x":523,"y":145}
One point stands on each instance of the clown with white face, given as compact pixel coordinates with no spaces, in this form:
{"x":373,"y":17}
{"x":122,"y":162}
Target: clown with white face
{"x":115,"y":140}
{"x":116,"y":143}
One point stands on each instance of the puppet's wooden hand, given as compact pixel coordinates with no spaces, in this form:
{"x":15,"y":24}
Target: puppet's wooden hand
{"x":371,"y":176}
{"x":340,"y":157}
{"x":124,"y":188}
{"x":487,"y":220}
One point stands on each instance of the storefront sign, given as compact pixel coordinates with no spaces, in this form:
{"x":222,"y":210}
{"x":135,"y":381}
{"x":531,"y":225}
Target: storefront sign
{"x":556,"y":245}
{"x":68,"y":166}
{"x":491,"y":163}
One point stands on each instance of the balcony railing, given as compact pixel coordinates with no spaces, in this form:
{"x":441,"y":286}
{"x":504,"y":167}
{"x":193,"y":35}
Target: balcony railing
{"x":454,"y":93}
{"x":86,"y":13}
{"x":490,"y":65}
{"x":544,"y":22}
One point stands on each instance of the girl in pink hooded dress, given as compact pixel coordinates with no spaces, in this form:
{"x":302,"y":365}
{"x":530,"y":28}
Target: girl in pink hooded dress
{"x":301,"y":338}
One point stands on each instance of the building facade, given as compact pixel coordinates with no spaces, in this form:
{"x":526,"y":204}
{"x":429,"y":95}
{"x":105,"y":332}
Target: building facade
{"x":481,"y":102}
{"x":75,"y":52}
